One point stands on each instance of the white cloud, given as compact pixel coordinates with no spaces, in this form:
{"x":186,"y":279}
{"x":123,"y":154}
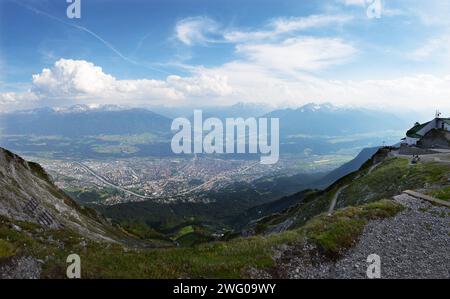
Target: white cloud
{"x":282,"y":26}
{"x":77,"y":81}
{"x":354,"y":2}
{"x":195,"y":30}
{"x":434,"y":48}
{"x":238,"y":81}
{"x":430,"y":12}
{"x":386,"y":9}
{"x":416,"y":92}
{"x":17,"y":100}
{"x":201,"y":85}
{"x":306,"y":54}
{"x":315,"y":21}
{"x":256,"y":83}
{"x":70,"y":77}
{"x":203,"y":30}
{"x":14,"y":97}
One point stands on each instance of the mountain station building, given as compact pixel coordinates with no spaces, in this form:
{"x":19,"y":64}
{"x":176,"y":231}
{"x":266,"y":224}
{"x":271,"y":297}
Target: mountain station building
{"x":420,"y":130}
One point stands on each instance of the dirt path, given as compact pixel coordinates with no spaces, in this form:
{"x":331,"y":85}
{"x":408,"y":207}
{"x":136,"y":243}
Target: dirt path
{"x":340,"y":190}
{"x":372,"y":168}
{"x":335,"y":198}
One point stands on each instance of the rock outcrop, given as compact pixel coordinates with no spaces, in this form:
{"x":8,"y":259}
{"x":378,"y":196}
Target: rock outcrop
{"x":28,"y":194}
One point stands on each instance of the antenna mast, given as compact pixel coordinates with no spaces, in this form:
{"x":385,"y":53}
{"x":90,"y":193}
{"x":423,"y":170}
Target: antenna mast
{"x":438,"y":114}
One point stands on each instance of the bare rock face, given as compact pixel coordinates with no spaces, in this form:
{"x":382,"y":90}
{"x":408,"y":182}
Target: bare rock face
{"x":28,"y":194}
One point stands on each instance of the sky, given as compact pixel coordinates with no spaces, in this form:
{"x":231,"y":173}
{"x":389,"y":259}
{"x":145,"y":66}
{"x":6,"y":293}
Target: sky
{"x":385,"y":54}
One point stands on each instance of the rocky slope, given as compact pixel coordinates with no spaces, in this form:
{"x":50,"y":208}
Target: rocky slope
{"x":27,"y":194}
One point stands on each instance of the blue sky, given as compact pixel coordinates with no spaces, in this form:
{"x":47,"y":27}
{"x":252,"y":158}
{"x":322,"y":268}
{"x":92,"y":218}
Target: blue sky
{"x":202,"y":52}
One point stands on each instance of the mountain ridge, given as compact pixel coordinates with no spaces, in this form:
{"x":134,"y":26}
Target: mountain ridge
{"x":89,"y":122}
{"x":329,"y":120}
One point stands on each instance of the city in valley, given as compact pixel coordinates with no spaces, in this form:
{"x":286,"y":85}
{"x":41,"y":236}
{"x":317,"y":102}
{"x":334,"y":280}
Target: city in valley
{"x":187,"y":179}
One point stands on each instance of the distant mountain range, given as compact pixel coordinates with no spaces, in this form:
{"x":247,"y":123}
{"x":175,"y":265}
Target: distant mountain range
{"x":316,"y":129}
{"x":244,"y":110}
{"x":85,"y":121}
{"x":329,"y":120}
{"x":308,"y":120}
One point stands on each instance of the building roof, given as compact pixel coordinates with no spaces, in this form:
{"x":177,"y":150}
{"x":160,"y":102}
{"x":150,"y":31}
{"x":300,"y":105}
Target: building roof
{"x":412,"y":133}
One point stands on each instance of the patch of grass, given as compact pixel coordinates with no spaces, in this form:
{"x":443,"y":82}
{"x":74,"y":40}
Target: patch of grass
{"x":39,"y":171}
{"x":381,"y":209}
{"x":6,"y":249}
{"x":142,"y":231}
{"x":184,"y":231}
{"x":314,"y":203}
{"x":423,"y":210}
{"x":443,"y":193}
{"x":194,"y":238}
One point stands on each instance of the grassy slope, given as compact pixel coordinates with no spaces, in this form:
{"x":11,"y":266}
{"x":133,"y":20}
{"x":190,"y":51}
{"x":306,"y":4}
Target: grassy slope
{"x":441,"y":193}
{"x":390,"y":178}
{"x":213,"y":260}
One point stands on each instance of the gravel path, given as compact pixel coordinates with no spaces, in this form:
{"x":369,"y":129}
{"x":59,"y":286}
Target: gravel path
{"x":413,"y":244}
{"x":21,"y":268}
